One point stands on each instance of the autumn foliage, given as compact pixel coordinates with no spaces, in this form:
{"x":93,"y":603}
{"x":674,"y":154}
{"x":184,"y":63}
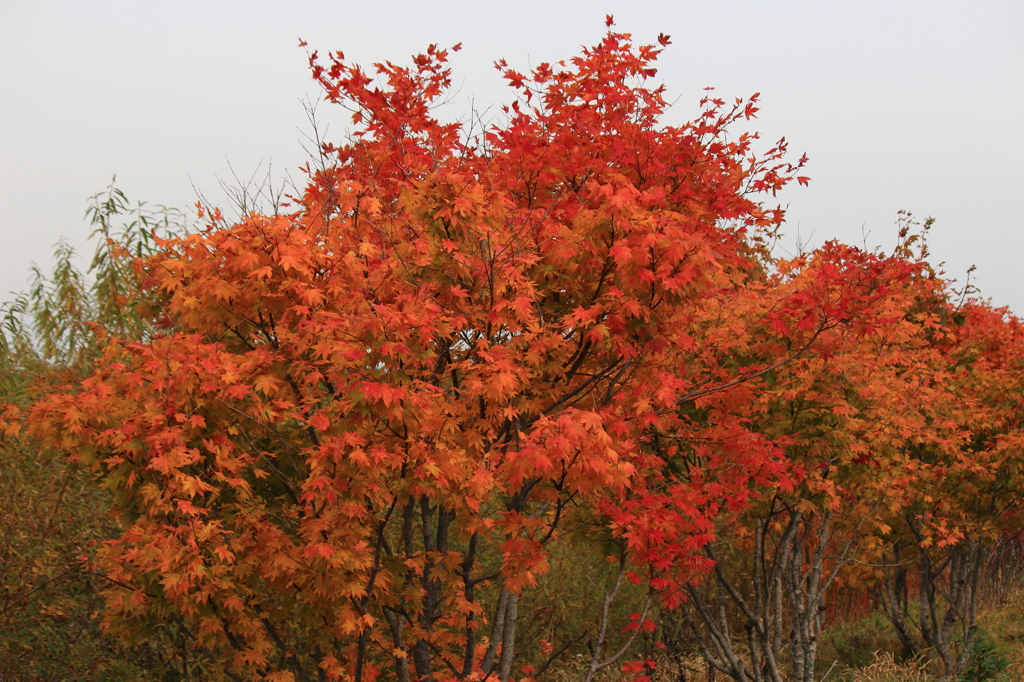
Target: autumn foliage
{"x":362,"y":427}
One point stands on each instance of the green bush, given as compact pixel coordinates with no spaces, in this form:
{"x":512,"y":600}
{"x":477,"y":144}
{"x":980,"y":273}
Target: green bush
{"x":985,"y":663}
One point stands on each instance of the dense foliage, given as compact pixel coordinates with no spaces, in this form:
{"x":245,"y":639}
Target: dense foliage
{"x":469,"y":373}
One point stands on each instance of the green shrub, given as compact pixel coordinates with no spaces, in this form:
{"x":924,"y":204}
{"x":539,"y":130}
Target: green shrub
{"x":985,"y":663}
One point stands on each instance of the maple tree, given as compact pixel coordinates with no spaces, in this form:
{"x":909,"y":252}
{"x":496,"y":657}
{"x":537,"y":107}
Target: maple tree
{"x":967,"y":487}
{"x":376,"y":411}
{"x":843,"y":403}
{"x":347,"y":439}
{"x":909,"y":465}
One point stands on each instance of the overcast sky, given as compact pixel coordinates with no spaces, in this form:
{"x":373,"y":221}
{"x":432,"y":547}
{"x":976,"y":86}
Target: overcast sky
{"x":899,"y":105}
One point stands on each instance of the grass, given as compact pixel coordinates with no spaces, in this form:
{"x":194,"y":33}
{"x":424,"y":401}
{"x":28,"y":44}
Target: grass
{"x":867,"y":650}
{"x":1003,"y":620}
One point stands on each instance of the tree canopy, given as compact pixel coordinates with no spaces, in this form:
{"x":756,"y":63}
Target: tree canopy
{"x":348,"y":440}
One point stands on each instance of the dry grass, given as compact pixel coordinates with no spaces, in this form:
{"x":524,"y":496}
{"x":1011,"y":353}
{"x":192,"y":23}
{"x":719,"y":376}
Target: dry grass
{"x":885,"y":668}
{"x":1003,"y":619}
{"x":868,"y":650}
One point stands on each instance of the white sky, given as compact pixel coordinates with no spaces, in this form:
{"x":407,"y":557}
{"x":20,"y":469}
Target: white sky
{"x":899,"y":105}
